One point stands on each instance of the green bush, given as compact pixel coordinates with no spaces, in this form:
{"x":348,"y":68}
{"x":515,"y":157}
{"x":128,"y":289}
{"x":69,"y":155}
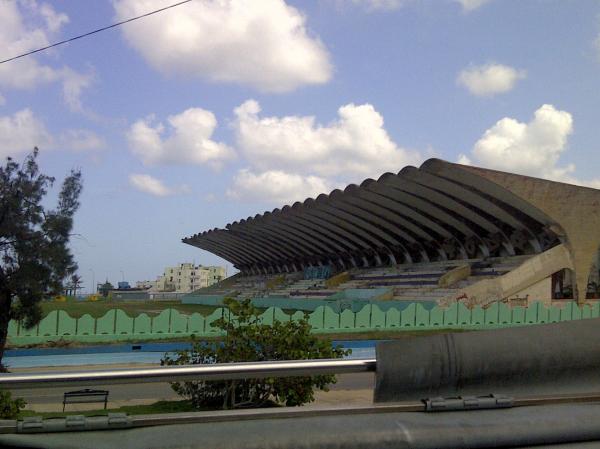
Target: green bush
{"x":9,"y":407}
{"x":248,"y":340}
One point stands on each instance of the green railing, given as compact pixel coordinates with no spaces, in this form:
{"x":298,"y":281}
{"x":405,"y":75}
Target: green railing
{"x":116,"y":325}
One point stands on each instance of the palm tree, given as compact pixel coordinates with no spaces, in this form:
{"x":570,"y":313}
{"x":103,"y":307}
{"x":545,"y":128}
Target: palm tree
{"x":75,"y":284}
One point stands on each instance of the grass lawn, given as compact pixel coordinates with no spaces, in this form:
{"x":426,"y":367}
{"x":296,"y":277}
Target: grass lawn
{"x":389,"y":334}
{"x":97,"y":309}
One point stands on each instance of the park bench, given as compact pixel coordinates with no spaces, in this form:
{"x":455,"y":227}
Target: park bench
{"x":85,"y":396}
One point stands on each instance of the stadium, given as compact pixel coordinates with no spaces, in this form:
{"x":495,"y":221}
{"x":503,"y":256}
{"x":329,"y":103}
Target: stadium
{"x":439,"y":234}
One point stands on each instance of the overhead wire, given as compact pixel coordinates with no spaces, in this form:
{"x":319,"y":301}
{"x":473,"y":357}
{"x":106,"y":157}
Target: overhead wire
{"x":95,"y":31}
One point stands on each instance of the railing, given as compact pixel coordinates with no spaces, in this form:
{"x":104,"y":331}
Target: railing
{"x":217,"y":371}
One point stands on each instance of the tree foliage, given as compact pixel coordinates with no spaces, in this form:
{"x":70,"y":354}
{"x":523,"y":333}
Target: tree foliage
{"x":248,"y":340}
{"x":34,"y":253}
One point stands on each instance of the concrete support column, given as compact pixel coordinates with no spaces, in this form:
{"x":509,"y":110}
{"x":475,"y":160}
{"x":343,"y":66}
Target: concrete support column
{"x":393,"y":260}
{"x":378,"y":259}
{"x":536,"y":245}
{"x":485,"y":251}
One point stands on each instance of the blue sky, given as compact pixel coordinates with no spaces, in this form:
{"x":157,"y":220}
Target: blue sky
{"x":217,"y":110}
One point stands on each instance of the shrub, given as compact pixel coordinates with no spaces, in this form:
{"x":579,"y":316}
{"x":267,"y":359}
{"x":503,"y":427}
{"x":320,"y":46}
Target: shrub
{"x":248,"y":340}
{"x":9,"y":407}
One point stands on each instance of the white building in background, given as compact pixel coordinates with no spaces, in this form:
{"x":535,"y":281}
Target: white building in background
{"x":146,"y":285}
{"x":185,"y":278}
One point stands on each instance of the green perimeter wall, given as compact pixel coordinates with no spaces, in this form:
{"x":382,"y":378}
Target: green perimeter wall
{"x":116,"y":325}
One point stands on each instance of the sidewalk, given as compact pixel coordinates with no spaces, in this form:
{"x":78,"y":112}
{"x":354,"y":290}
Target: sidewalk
{"x":331,"y":398}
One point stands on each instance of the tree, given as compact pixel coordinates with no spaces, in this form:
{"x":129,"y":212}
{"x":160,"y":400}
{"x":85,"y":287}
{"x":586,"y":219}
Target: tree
{"x":76,"y":283}
{"x":34,"y":253}
{"x":105,"y":289}
{"x":73,"y":285}
{"x":248,"y":340}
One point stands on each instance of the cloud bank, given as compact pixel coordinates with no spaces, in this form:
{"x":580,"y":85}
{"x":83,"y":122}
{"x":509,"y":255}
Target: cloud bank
{"x":532,"y":148}
{"x":264,"y":44}
{"x":276,"y":186}
{"x":28,"y":25}
{"x":22,"y":131}
{"x":356,"y":143}
{"x":186,"y":139}
{"x":472,"y":5}
{"x":294,"y":157}
{"x":153,"y":186}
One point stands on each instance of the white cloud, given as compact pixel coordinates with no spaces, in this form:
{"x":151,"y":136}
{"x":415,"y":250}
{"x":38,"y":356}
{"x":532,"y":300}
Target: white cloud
{"x":153,"y":186}
{"x":22,"y":131}
{"x":388,"y":5}
{"x":264,"y":44}
{"x":379,"y":5}
{"x":74,"y":83}
{"x":490,"y":79}
{"x":356,"y":144}
{"x":189,"y":140}
{"x":464,"y":159}
{"x":80,"y":140}
{"x":209,"y":197}
{"x":54,"y":20}
{"x":471,"y":5}
{"x":26,"y":25}
{"x":532,"y":149}
{"x":277,"y":186}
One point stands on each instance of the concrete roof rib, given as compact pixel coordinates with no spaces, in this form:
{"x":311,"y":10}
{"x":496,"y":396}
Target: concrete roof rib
{"x":439,"y":211}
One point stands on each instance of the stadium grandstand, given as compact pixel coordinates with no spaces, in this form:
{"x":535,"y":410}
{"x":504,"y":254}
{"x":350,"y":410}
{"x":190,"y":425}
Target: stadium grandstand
{"x":439,"y":234}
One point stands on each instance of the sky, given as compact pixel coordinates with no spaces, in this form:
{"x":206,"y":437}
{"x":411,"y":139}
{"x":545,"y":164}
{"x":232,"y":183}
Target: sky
{"x":217,"y":110}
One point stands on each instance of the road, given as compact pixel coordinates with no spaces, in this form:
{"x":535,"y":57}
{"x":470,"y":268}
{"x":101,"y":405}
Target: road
{"x":351,"y":388}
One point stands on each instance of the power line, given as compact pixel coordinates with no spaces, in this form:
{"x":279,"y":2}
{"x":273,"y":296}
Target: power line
{"x":95,"y":31}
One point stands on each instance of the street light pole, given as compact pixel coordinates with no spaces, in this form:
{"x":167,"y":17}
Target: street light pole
{"x":93,"y":281}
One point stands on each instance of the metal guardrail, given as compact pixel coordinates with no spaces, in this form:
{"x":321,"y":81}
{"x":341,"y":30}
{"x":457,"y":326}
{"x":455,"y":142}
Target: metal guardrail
{"x":217,"y":371}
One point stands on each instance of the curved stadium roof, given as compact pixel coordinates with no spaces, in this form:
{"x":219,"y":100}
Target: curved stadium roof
{"x":439,"y":211}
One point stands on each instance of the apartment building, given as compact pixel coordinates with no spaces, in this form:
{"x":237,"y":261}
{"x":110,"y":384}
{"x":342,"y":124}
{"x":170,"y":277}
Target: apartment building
{"x":187,"y":277}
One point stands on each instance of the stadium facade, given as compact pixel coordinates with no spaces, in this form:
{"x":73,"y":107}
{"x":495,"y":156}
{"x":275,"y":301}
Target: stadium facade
{"x":438,"y":212}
